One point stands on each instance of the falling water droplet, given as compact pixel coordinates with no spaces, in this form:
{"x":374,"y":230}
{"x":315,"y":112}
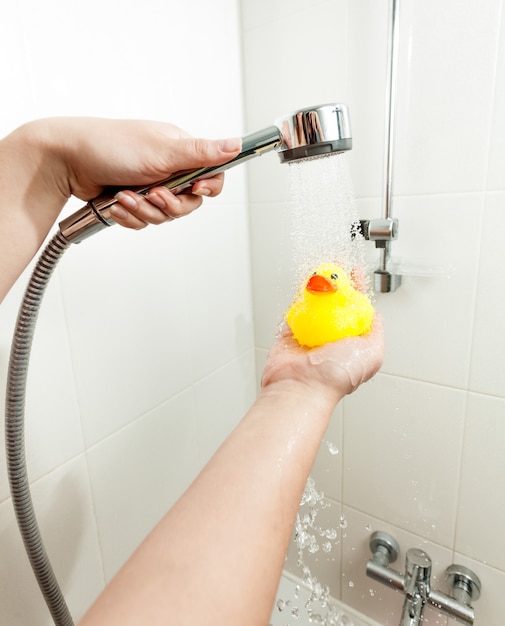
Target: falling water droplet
{"x":332,"y":447}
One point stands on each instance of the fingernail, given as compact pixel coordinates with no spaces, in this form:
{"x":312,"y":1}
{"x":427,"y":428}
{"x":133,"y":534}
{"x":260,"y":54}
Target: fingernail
{"x":126,"y":200}
{"x":118,"y":211}
{"x":156,"y":199}
{"x":202,"y":191}
{"x":230,"y":145}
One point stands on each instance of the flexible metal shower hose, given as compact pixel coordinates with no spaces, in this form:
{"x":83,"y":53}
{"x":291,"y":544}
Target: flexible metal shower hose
{"x":14,"y":430}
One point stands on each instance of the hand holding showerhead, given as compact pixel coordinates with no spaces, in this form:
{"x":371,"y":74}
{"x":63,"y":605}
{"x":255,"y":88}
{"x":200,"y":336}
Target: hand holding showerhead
{"x":305,"y":133}
{"x":136,"y":210}
{"x":45,"y":162}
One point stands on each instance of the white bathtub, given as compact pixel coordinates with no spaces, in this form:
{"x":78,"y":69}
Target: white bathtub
{"x":290,"y":607}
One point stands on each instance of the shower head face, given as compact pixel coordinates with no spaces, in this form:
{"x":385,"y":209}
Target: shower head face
{"x":314,"y":131}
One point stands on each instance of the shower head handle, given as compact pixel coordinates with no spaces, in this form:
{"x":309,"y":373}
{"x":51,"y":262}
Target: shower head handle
{"x":305,"y":133}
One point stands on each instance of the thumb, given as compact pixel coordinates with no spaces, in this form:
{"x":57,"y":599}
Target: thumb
{"x":191,"y":152}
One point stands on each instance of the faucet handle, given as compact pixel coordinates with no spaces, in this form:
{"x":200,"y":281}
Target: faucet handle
{"x":418,"y":562}
{"x":417,"y":573}
{"x":385,"y":548}
{"x":464,"y":584}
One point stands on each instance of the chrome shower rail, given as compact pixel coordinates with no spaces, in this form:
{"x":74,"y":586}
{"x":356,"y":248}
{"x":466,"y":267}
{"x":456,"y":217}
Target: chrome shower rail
{"x":385,"y":229}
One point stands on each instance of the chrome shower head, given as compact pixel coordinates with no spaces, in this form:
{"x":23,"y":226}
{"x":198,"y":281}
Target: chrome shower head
{"x":314,"y":131}
{"x":305,"y":133}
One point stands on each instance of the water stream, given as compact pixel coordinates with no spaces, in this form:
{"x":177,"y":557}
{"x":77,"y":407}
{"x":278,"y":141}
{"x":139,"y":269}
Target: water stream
{"x":323,"y":217}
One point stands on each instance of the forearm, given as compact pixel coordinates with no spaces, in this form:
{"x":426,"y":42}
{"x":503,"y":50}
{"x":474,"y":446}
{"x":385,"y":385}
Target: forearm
{"x":217,"y":556}
{"x":29,"y":201}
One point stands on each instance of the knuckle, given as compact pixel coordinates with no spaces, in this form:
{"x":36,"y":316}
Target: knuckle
{"x":202,"y":150}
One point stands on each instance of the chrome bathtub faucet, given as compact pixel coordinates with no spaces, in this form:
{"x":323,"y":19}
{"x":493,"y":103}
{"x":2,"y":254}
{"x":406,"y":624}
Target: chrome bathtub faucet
{"x":464,"y":584}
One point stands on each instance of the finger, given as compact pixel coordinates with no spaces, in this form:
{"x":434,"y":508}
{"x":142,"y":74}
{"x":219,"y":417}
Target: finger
{"x":283,"y":329}
{"x":210,"y":187}
{"x":172,"y":205}
{"x":125,"y":218}
{"x":377,"y":332}
{"x":358,"y":278}
{"x":134,"y":211}
{"x":192,"y":152}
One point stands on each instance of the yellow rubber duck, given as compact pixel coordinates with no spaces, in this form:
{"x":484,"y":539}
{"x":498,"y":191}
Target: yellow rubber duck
{"x":328,"y":307}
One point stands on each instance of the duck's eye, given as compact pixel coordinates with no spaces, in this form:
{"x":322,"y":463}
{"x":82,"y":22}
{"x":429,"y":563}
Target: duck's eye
{"x":314,"y":273}
{"x":334,"y":277}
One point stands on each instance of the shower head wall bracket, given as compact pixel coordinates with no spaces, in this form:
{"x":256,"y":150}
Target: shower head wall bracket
{"x":382,"y":231}
{"x":385,"y":281}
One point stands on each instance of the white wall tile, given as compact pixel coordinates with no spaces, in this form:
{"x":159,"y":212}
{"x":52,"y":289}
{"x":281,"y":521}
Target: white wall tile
{"x":149,"y":78}
{"x":402,"y":452}
{"x":496,"y":178}
{"x":221,"y":400}
{"x":487,"y":371}
{"x":256,"y":13}
{"x":160,"y":294}
{"x":446,"y":83}
{"x":481,"y":513}
{"x":289,"y":66}
{"x":429,"y":319}
{"x":267,"y":176}
{"x":62,"y":502}
{"x":14,"y":69}
{"x":52,"y":431}
{"x":271,"y":260}
{"x":327,"y":469}
{"x":368,"y":52}
{"x":216,"y":281}
{"x":138,"y":473}
{"x":126,"y":306}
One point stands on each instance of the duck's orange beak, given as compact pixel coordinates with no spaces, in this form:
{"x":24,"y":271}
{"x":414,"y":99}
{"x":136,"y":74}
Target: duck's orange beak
{"x":319,"y":284}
